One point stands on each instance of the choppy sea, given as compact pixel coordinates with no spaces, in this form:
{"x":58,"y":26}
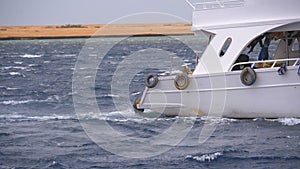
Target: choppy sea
{"x":43,"y":126}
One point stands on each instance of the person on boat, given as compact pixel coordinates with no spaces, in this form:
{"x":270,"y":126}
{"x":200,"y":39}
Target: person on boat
{"x":254,"y":43}
{"x":275,"y":35}
{"x":264,"y":52}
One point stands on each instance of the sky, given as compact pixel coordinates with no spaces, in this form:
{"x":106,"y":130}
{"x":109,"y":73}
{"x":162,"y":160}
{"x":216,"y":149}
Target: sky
{"x":59,"y":12}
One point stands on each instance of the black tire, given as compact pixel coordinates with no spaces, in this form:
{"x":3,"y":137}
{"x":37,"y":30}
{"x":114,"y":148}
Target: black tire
{"x":182,"y":81}
{"x":151,"y":80}
{"x":248,"y":76}
{"x":135,"y":103}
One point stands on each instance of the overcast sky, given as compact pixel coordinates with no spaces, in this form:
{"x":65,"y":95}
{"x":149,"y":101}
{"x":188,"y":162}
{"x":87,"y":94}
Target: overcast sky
{"x":57,"y":12}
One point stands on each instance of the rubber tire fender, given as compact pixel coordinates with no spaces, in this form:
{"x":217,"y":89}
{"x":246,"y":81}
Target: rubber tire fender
{"x":182,"y":81}
{"x":135,"y":103}
{"x":151,"y":80}
{"x":248,"y":76}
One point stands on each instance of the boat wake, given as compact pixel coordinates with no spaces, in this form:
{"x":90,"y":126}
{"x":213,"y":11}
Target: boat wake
{"x":129,"y":115}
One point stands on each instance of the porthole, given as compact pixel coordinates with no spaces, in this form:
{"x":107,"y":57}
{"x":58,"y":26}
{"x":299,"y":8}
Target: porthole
{"x":225,"y":47}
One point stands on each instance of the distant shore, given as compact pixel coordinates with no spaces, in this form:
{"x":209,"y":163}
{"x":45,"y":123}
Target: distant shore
{"x":85,"y":31}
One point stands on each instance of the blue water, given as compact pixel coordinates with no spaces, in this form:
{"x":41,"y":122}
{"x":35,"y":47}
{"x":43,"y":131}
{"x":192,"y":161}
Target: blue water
{"x":39,"y":126}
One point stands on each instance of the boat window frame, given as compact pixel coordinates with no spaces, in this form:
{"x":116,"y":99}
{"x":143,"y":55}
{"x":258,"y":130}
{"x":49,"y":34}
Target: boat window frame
{"x":226,"y":45}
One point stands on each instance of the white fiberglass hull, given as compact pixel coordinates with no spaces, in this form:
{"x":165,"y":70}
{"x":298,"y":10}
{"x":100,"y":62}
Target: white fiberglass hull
{"x":271,"y":96}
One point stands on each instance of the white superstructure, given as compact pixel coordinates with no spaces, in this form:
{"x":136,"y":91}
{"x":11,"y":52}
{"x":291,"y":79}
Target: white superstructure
{"x":226,"y":82}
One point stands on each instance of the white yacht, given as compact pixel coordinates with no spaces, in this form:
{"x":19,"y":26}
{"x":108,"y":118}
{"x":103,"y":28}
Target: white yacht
{"x":230,"y":80}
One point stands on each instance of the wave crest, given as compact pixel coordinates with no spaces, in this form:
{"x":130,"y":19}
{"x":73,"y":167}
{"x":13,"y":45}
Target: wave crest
{"x":205,"y":157}
{"x":17,"y":117}
{"x":287,"y":121}
{"x":30,"y":56}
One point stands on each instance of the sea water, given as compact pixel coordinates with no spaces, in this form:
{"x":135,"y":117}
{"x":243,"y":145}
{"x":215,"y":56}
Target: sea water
{"x":41,"y":128}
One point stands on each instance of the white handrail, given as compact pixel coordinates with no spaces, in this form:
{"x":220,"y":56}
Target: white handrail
{"x":253,"y":63}
{"x":188,"y":2}
{"x":214,"y":4}
{"x":218,"y":2}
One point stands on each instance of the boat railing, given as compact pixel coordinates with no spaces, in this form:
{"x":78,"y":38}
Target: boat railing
{"x":199,"y":5}
{"x":267,"y":63}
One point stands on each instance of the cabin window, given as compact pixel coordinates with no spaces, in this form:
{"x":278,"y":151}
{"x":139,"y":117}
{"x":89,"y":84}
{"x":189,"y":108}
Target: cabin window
{"x":295,"y":47}
{"x":225,"y":47}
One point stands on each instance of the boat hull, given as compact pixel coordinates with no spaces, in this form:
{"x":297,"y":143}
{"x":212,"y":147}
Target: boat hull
{"x":224,"y":95}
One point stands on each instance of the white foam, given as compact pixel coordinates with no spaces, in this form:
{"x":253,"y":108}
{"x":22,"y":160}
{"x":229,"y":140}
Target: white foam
{"x":11,"y":88}
{"x":33,"y":65}
{"x":17,"y":102}
{"x":15,"y":117}
{"x":205,"y":157}
{"x":14,"y":73}
{"x":110,"y":116}
{"x":14,"y":67}
{"x":109,"y":95}
{"x":11,"y":116}
{"x":91,"y":115}
{"x":126,"y":113}
{"x":217,"y":120}
{"x":168,"y":72}
{"x":162,"y":74}
{"x":117,"y":116}
{"x":136,"y":93}
{"x":87,"y":77}
{"x":51,"y":117}
{"x":287,"y":121}
{"x":14,"y":102}
{"x":30,"y":56}
{"x":18,"y":63}
{"x":69,"y":55}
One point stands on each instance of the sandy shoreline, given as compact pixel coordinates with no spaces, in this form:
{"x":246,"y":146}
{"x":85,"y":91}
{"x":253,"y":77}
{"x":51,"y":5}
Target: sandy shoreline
{"x":84,"y":31}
